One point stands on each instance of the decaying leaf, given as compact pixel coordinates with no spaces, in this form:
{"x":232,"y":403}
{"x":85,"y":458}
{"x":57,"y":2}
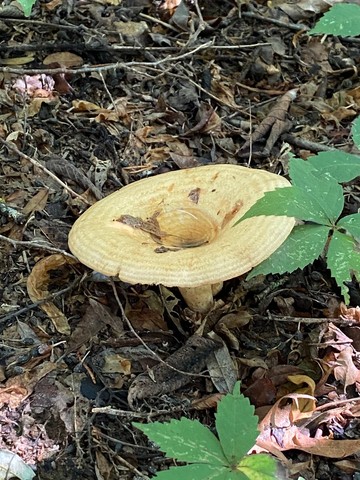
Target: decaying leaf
{"x":38,"y":284}
{"x":18,"y":388}
{"x":37,"y":203}
{"x":221,"y":367}
{"x":94,"y":320}
{"x":147,"y":313}
{"x":279,"y":434}
{"x":344,"y":369}
{"x":63,"y":59}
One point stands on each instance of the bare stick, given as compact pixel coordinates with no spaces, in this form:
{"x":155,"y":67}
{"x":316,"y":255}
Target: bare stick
{"x":39,"y":245}
{"x":34,"y":162}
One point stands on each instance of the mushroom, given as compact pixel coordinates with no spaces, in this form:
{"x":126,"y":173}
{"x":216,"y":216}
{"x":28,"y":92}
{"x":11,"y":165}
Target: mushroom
{"x":177,"y":229}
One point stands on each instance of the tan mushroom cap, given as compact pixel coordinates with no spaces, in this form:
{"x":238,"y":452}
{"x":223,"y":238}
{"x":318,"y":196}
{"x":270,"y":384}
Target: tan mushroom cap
{"x":176,"y":229}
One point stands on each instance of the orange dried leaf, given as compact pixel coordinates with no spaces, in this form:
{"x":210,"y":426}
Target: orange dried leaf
{"x":38,"y":284}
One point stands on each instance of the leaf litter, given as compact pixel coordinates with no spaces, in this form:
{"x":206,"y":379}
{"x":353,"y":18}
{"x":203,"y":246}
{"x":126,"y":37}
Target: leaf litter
{"x":149,"y":88}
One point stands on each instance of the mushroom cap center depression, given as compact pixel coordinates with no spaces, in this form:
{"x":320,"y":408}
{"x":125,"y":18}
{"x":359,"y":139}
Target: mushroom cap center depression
{"x":183,"y":227}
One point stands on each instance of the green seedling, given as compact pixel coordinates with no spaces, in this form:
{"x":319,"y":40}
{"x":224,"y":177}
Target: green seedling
{"x":211,"y":457}
{"x":316,"y":198}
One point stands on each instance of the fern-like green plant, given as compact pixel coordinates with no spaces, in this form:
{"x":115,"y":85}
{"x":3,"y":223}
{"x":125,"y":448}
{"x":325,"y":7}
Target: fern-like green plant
{"x":316,"y":198}
{"x":211,"y":457}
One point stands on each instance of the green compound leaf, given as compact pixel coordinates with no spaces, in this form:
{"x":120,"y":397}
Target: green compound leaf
{"x":304,"y":245}
{"x":288,"y":201}
{"x":351,"y":223}
{"x":258,"y":467}
{"x":343,"y":259}
{"x":236,"y":425}
{"x":341,"y":19}
{"x":355,"y":131}
{"x":27,"y":5}
{"x":199,"y":471}
{"x":342,"y":166}
{"x":322,"y":188}
{"x":186,"y":440}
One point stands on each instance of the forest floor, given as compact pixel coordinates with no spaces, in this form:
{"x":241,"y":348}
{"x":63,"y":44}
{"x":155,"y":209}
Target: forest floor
{"x":97,"y":95}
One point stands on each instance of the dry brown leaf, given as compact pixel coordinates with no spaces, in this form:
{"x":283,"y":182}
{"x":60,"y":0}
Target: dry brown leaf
{"x":84,"y":106}
{"x":222,"y":369}
{"x":335,"y":338}
{"x":50,"y":6}
{"x":12,"y":395}
{"x":37,"y":203}
{"x":345,"y":371}
{"x":18,"y":60}
{"x":207,"y":121}
{"x":170,"y":4}
{"x":157,"y":155}
{"x":106,"y":116}
{"x":21,"y":386}
{"x":38,"y":284}
{"x":302,"y":407}
{"x":225,"y":92}
{"x":317,"y":53}
{"x":351,"y":313}
{"x":278,"y":434}
{"x":95,"y":318}
{"x":302,"y":9}
{"x":64,"y":59}
{"x":210,"y":401}
{"x":147,"y":313}
{"x":115,"y":363}
{"x":262,"y":392}
{"x":103,"y":467}
{"x":36,"y":103}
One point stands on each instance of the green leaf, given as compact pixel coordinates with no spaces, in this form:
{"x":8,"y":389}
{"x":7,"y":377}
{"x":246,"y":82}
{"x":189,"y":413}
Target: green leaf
{"x":199,"y":471}
{"x":258,"y":467}
{"x":236,"y":425}
{"x":351,"y":223}
{"x":344,"y":167}
{"x":341,"y":19}
{"x":27,"y":5}
{"x":343,"y":259}
{"x":186,"y":440}
{"x":304,"y":245}
{"x":323,"y":189}
{"x":289,"y":202}
{"x":355,"y":131}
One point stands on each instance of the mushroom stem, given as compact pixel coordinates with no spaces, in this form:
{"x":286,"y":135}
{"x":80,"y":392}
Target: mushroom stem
{"x":217,"y":287}
{"x":200,"y":299}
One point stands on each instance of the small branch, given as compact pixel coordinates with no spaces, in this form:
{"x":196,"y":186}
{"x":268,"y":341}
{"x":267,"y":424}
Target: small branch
{"x":37,"y":164}
{"x":5,"y":318}
{"x":306,"y":320}
{"x":41,"y":246}
{"x":104,"y":68}
{"x":292,"y":26}
{"x":300,"y":142}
